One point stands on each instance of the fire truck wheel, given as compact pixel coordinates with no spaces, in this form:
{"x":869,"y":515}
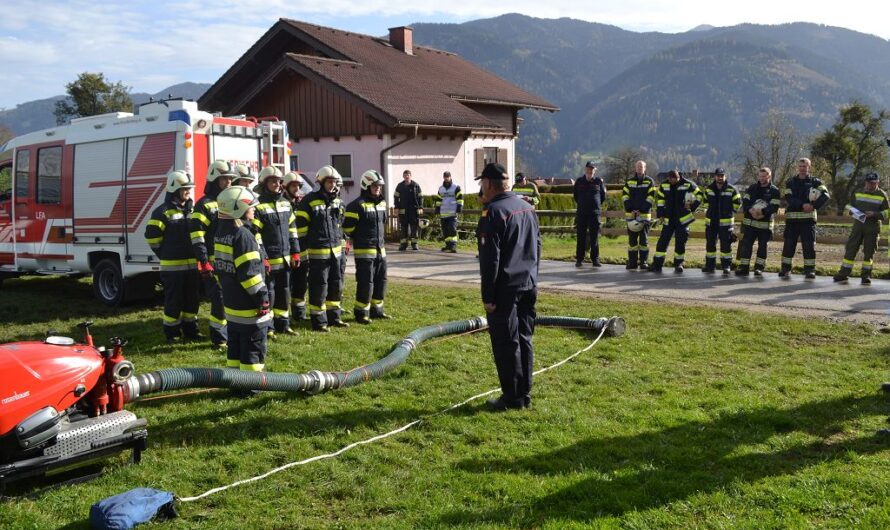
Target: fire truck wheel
{"x":108,"y":283}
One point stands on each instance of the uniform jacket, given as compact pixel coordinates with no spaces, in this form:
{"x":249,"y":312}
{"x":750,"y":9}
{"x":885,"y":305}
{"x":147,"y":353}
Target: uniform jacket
{"x":407,"y":197}
{"x":168,"y":235}
{"x":722,"y":204}
{"x":365,"y":223}
{"x":872,"y":202}
{"x":638,"y":194}
{"x":671,"y":201}
{"x":529,"y":192}
{"x":797,"y":193}
{"x":509,"y":245}
{"x":276,"y":223}
{"x":239,"y":268}
{"x":320,"y":221}
{"x":769,"y":194}
{"x":202,"y":222}
{"x":449,"y":201}
{"x":589,"y":195}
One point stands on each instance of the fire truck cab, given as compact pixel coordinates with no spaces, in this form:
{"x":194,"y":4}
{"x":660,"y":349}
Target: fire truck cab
{"x":82,"y":193}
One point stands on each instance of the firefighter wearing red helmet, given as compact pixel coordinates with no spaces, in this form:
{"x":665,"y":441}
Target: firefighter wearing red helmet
{"x":168,"y":235}
{"x":365,"y":223}
{"x":203,"y":221}
{"x":276,"y":224}
{"x":240,"y":269}
{"x":296,"y":187}
{"x":320,"y":221}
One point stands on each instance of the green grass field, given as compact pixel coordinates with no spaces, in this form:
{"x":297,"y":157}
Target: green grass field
{"x":695,"y":418}
{"x":614,"y":250}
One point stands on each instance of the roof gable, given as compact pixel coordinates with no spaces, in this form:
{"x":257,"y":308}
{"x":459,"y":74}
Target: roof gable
{"x":396,"y":88}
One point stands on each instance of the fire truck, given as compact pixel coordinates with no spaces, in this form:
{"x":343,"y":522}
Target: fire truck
{"x":82,"y":193}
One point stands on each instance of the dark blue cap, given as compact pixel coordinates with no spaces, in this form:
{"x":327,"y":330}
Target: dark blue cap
{"x":719,"y":171}
{"x":493,"y":171}
{"x":872,"y":177}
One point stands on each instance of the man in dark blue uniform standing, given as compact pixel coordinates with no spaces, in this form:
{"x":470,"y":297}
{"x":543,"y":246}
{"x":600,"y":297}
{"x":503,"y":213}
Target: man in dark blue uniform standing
{"x":590,"y":194}
{"x":509,"y":254}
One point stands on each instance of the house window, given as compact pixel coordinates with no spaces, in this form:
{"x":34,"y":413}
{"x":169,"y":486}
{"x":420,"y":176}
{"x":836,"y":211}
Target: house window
{"x":49,"y":175}
{"x":22,"y":170}
{"x":343,"y":165}
{"x":490,"y":155}
{"x":294,"y":162}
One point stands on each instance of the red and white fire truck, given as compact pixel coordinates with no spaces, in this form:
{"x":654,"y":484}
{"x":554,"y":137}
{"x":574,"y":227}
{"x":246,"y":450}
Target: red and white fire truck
{"x":82,"y":193}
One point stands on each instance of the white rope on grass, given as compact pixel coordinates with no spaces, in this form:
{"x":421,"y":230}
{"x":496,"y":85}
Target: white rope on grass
{"x":393,"y":432}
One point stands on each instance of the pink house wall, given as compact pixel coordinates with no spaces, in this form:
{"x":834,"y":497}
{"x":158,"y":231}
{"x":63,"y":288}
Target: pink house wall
{"x":426,"y":158}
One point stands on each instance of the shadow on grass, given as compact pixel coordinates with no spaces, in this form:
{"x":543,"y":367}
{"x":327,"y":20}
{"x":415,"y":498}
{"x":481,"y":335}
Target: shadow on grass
{"x":207,"y":429}
{"x":35,"y":300}
{"x":638,"y":472}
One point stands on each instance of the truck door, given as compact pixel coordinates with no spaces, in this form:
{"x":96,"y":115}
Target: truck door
{"x":6,"y":251}
{"x":41,"y":217}
{"x":149,"y":159}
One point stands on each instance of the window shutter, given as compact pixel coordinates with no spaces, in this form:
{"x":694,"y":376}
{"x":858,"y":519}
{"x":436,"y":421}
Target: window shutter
{"x":503,"y":156}
{"x":479,"y":165}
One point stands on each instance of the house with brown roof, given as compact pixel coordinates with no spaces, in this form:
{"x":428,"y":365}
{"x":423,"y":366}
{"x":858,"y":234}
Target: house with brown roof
{"x":359,"y":102}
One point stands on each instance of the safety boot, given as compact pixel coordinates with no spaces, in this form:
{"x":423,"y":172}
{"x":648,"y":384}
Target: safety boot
{"x":866,"y":277}
{"x":710,"y":265}
{"x":403,"y":246}
{"x":631,"y":259}
{"x":743,"y":271}
{"x":809,"y":274}
{"x":414,"y":245}
{"x":339,"y":324}
{"x":784,"y":271}
{"x":842,"y":275}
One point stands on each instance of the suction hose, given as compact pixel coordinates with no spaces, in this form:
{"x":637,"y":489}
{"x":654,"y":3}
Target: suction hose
{"x":316,"y":381}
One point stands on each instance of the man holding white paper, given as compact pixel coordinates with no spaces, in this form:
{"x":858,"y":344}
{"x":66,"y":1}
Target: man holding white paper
{"x":869,"y":208}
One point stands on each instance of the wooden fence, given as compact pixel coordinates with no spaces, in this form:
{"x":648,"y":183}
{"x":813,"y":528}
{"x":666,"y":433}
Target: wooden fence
{"x":696,"y":232}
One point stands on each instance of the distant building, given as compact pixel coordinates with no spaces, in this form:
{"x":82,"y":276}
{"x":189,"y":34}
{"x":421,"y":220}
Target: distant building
{"x":359,"y":102}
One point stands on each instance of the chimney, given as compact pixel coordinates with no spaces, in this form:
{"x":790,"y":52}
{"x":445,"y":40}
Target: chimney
{"x":402,"y":39}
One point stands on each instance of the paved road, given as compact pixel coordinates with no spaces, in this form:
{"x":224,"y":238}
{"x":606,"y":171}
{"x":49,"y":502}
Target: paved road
{"x":807,"y":298}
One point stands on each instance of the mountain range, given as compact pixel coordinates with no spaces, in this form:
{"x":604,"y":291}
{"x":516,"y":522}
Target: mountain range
{"x":684,"y":99}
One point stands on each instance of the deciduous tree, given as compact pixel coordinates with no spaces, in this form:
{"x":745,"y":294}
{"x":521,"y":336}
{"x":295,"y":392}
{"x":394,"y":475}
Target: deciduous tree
{"x":92,"y":94}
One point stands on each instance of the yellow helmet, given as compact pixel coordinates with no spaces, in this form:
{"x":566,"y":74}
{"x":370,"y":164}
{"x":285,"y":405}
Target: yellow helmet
{"x":220,"y":168}
{"x":235,"y":201}
{"x":177,"y":180}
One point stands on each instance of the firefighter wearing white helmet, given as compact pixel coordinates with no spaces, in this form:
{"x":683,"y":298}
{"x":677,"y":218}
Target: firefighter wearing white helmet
{"x":275,"y":222}
{"x":240,"y":269}
{"x":677,"y":199}
{"x":168,"y":234}
{"x":296,"y":187}
{"x":804,"y":195}
{"x":245,"y":176}
{"x":203,"y":223}
{"x":365,"y":224}
{"x":760,"y":203}
{"x":320,"y":221}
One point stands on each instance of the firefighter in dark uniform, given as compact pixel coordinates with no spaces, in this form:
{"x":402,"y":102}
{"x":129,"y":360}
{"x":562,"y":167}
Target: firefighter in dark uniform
{"x":449,"y":203}
{"x":722,"y":201}
{"x":275,"y":222}
{"x":168,"y":235}
{"x":408,"y":199}
{"x":320,"y":222}
{"x":638,"y":196}
{"x":241,"y":275}
{"x":760,"y":203}
{"x":203,"y":222}
{"x":526,"y":190}
{"x":590,"y":194}
{"x":365,"y":224}
{"x":869,"y":208}
{"x":804,"y":195}
{"x":296,"y":187}
{"x":676,"y":201}
{"x":509,"y":255}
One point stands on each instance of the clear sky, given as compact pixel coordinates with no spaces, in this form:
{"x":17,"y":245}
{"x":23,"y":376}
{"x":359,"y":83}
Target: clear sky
{"x":150,"y":45}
